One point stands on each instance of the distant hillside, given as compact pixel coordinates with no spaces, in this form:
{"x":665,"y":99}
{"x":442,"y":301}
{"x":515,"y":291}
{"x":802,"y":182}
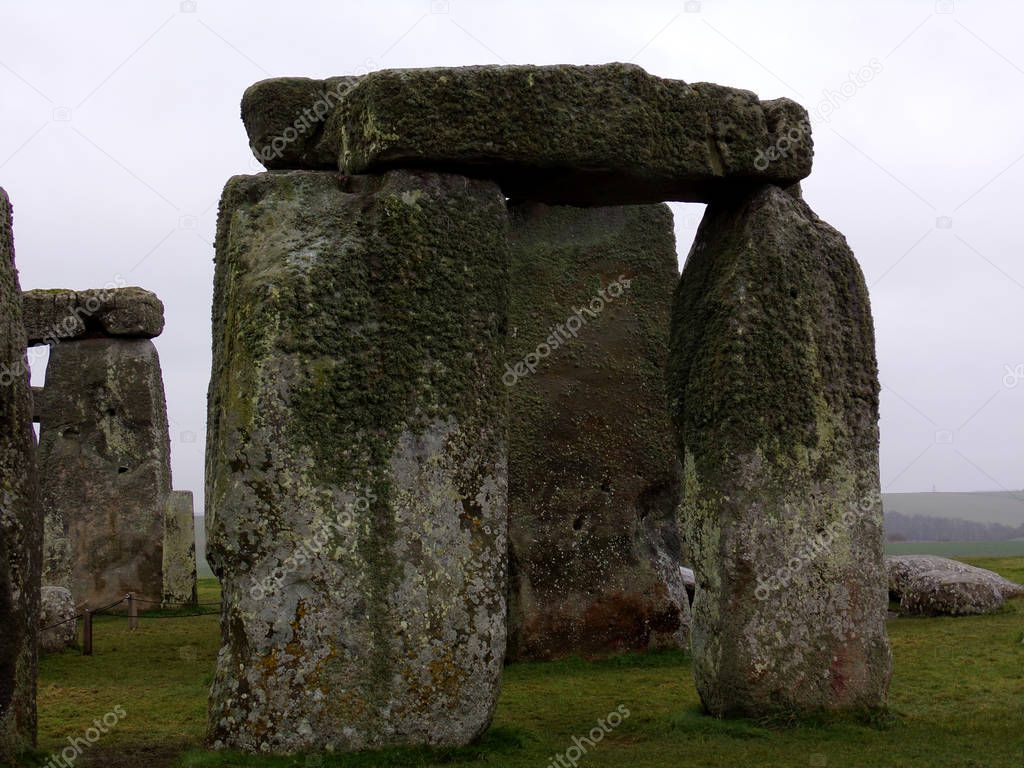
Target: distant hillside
{"x":1002,"y":507}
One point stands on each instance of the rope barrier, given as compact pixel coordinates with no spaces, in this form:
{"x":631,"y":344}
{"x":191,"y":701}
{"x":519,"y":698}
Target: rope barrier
{"x":125,"y":616}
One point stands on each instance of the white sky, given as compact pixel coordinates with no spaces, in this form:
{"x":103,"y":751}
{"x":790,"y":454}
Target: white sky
{"x":121,"y":126}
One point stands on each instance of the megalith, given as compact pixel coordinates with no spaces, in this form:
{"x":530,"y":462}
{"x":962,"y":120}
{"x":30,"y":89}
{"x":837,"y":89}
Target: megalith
{"x":774,"y":393}
{"x":20,"y":519}
{"x":179,"y":564}
{"x":610,"y":134}
{"x":593,"y":471}
{"x":104,"y":448}
{"x":57,"y":620}
{"x":356,"y":460}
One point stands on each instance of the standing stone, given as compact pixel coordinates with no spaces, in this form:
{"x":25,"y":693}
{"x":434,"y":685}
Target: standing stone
{"x":356,"y":461}
{"x":57,"y":623}
{"x":105,"y":453}
{"x":179,"y":550}
{"x":21,"y":533}
{"x":774,"y":393}
{"x":593,"y":473}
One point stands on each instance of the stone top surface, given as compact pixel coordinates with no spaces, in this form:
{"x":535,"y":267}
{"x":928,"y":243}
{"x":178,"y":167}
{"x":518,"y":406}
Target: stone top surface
{"x":55,"y":315}
{"x":608,"y":134}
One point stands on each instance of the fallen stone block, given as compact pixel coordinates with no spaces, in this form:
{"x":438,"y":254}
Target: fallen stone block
{"x":943,"y":592}
{"x":21,"y":535}
{"x":774,"y":391}
{"x":579,"y":135}
{"x":53,"y":316}
{"x":904,"y":571}
{"x":593,"y":472}
{"x":357,"y":467}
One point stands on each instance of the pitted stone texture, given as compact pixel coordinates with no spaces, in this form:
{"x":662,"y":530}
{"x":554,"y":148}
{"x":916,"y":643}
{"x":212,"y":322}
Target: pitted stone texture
{"x":903,"y":568}
{"x":356,"y":466}
{"x":57,"y":625}
{"x":949,"y":593}
{"x":774,"y":391}
{"x":578,"y":135}
{"x":20,"y":519}
{"x":179,"y":549}
{"x":105,"y":453}
{"x":53,"y":316}
{"x":931,"y":585}
{"x":286,"y":119}
{"x":593,"y":472}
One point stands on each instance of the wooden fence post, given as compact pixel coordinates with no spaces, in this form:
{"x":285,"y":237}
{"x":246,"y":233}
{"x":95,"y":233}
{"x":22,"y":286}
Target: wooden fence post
{"x":133,"y":612}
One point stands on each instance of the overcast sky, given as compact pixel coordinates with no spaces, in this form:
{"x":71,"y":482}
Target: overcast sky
{"x":120,"y":127}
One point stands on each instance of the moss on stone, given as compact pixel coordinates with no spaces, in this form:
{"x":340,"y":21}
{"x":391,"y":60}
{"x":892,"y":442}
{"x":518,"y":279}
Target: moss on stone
{"x":358,"y":329}
{"x":774,"y":395}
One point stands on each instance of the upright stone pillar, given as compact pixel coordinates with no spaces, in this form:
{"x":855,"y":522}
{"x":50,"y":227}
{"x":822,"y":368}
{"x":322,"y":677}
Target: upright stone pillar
{"x":20,"y":520}
{"x":593,"y":472}
{"x":104,"y":449}
{"x":356,"y":461}
{"x":179,"y":550}
{"x":774,"y":393}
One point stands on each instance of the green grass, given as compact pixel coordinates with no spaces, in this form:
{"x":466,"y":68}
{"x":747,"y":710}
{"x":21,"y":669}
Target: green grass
{"x":956,"y":702}
{"x":958,"y":549}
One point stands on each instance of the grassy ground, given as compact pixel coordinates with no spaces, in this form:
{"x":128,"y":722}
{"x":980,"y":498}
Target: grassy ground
{"x":958,"y":549}
{"x":957,"y":701}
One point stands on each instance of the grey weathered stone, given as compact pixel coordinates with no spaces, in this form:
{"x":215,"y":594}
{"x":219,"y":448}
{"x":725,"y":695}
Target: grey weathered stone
{"x":593,"y":472}
{"x":931,"y":584}
{"x":57,"y":625}
{"x":356,"y":466}
{"x":286,"y":119}
{"x":580,"y":135}
{"x":55,"y":315}
{"x":105,"y":453}
{"x":944,"y":592}
{"x":20,"y":519}
{"x":179,"y":549}
{"x":774,"y":392}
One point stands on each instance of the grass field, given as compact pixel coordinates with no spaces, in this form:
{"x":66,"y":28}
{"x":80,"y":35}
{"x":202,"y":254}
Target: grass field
{"x":958,"y":549}
{"x":957,"y":701}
